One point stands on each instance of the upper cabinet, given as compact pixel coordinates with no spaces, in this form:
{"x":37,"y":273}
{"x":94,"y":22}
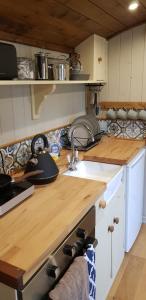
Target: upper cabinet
{"x":93,"y":56}
{"x":127,"y":67}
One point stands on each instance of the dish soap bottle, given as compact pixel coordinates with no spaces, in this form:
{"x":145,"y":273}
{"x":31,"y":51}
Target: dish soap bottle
{"x":55,"y":150}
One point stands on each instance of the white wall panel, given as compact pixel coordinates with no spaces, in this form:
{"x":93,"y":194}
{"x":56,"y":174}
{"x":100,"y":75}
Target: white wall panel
{"x":125,"y":65}
{"x":6,"y":114}
{"x":58,"y":109}
{"x":137,"y":62}
{"x":18,"y":111}
{"x":144,"y":74}
{"x":114,"y":68}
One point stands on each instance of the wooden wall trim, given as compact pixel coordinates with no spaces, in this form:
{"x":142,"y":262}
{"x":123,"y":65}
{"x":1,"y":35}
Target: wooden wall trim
{"x":10,"y":275}
{"x":31,"y":136}
{"x":123,"y":104}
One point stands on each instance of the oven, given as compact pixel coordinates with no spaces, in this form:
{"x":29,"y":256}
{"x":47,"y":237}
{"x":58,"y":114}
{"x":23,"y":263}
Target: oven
{"x":58,"y":262}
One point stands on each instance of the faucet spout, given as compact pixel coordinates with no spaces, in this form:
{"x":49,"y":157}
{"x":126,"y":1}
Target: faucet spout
{"x":74,"y":153}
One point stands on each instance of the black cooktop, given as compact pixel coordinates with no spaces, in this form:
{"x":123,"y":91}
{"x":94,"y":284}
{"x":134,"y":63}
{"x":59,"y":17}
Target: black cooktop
{"x":14,"y":190}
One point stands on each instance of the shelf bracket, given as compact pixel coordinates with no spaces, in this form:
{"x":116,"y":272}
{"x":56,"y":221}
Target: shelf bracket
{"x":38,"y":94}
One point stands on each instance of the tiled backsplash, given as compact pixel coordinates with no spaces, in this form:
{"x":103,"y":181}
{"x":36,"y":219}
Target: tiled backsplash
{"x":132,"y":129}
{"x":17,"y":155}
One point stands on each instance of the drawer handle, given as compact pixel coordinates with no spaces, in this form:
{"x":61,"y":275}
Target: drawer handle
{"x":111,"y":228}
{"x":102,"y":204}
{"x":116,"y":220}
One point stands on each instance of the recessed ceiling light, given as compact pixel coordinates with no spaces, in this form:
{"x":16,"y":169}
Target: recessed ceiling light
{"x":133,"y":5}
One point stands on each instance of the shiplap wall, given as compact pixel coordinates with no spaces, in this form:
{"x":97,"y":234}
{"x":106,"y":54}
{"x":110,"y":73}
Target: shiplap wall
{"x":58,"y":109}
{"x":127,"y":71}
{"x":127,"y":66}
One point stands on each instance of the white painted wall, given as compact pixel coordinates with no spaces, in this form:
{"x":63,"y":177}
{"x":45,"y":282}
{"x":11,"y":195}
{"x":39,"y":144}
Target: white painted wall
{"x":58,"y":109}
{"x":127,"y":66}
{"x":127,"y":71}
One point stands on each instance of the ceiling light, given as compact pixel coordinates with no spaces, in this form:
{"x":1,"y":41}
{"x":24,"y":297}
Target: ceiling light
{"x":133,"y":5}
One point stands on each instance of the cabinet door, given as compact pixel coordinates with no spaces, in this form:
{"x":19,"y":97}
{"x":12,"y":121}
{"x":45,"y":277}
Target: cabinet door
{"x":102,"y":256}
{"x":116,"y":218}
{"x":93,"y":56}
{"x":110,"y":248}
{"x":100,"y":59}
{"x":7,"y":293}
{"x":119,"y":230}
{"x":86,"y":51}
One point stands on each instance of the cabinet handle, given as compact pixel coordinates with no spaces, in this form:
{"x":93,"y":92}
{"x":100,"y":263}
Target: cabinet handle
{"x":99,"y":59}
{"x":52,"y":271}
{"x":111,"y":228}
{"x":116,"y":220}
{"x":102,"y":204}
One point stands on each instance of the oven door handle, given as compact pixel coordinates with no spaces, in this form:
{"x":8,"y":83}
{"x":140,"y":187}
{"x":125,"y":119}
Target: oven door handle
{"x":95,"y":243}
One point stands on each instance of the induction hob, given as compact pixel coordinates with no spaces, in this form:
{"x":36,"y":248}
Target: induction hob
{"x":14,"y":194}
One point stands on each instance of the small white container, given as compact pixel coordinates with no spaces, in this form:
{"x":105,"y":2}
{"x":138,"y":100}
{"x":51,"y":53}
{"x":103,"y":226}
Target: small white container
{"x":132,"y":114}
{"x":122,"y":114}
{"x":111,"y":113}
{"x":142,"y":115}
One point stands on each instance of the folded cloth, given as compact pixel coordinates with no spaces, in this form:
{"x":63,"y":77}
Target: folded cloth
{"x":74,"y":285}
{"x":90,"y":258}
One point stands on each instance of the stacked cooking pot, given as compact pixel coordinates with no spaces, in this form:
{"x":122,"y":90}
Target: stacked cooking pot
{"x":86,"y":129}
{"x":51,"y":68}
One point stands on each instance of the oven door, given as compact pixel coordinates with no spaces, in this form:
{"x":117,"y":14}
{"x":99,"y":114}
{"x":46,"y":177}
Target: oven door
{"x":57,"y":264}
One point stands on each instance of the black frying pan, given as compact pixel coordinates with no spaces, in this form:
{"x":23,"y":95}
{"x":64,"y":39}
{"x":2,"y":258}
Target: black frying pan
{"x":6,"y":180}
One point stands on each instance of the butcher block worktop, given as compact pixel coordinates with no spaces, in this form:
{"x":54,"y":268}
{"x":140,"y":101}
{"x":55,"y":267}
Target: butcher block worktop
{"x":114,"y":150}
{"x":32,"y":230}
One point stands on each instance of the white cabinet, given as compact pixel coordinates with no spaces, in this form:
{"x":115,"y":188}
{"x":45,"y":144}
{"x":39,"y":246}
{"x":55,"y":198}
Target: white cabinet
{"x":7,"y":293}
{"x":110,"y":228}
{"x":116,"y":219}
{"x":134,"y":198}
{"x":102,"y":258}
{"x":93,"y":56}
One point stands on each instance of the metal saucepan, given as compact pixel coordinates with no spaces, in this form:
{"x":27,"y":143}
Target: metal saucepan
{"x":6,"y":180}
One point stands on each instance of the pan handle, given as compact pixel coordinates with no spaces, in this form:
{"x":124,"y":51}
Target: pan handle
{"x":34,"y":140}
{"x":3,"y":162}
{"x":27,"y":175}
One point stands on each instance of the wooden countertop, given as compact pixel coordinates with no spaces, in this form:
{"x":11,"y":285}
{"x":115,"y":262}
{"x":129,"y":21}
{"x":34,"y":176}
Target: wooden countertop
{"x":115,"y":150}
{"x":32,"y":230}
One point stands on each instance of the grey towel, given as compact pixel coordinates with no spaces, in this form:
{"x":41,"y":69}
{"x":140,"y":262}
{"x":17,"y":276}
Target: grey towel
{"x":74,"y":285}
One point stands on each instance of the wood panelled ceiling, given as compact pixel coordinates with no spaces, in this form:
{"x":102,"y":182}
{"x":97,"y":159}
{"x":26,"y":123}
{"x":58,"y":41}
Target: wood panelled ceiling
{"x":63,"y":24}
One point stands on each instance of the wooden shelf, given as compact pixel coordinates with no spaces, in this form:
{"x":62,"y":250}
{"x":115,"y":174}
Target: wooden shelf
{"x":46,"y":82}
{"x":41,"y":88}
{"x":121,"y":104}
